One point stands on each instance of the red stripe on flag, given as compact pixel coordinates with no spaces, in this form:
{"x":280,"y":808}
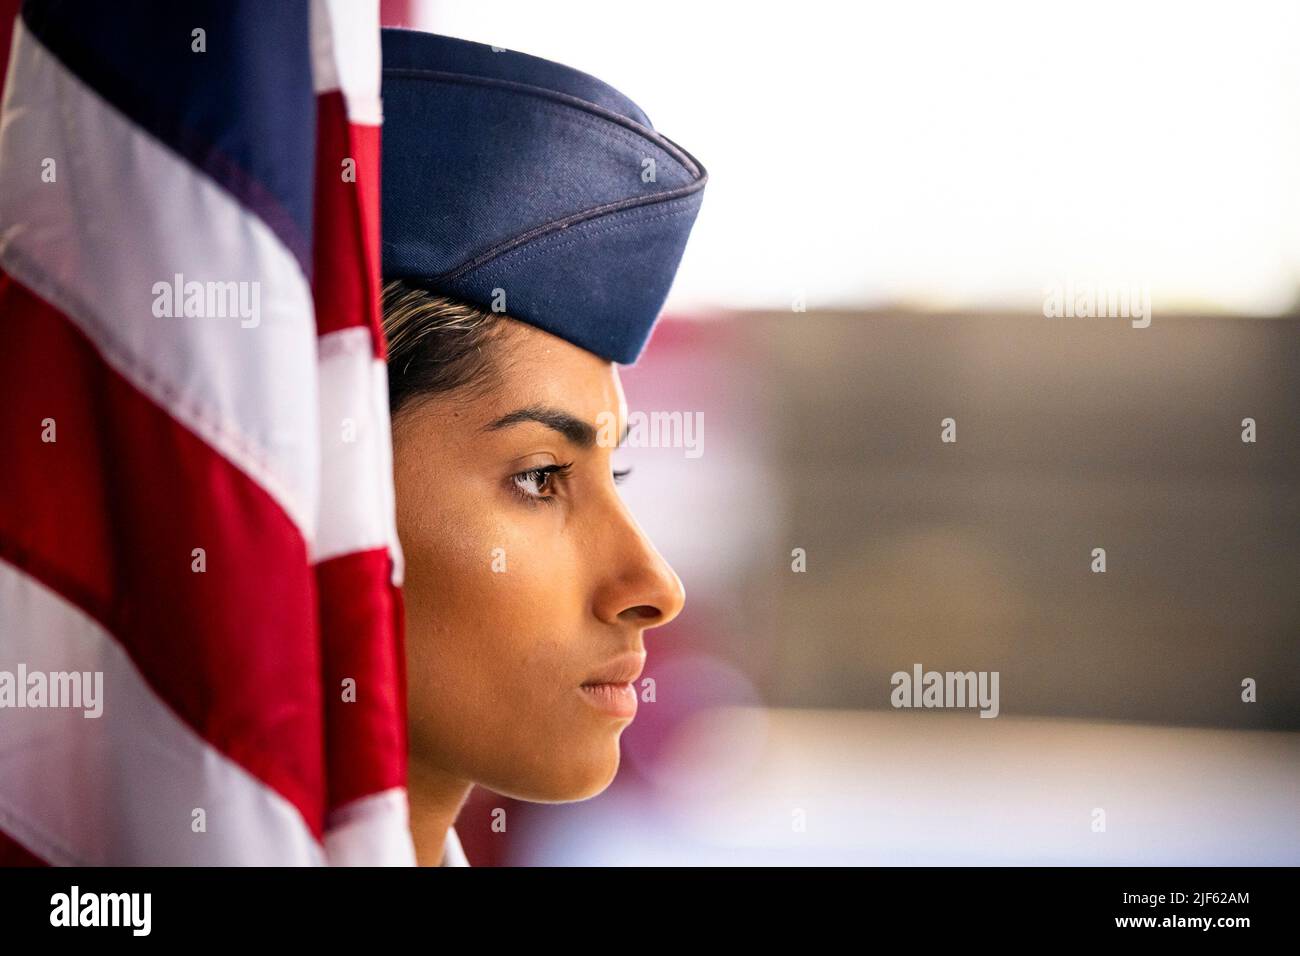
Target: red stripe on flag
{"x":8,"y":15}
{"x":346,"y":265}
{"x":361,"y":617}
{"x":13,"y":853}
{"x":108,"y":516}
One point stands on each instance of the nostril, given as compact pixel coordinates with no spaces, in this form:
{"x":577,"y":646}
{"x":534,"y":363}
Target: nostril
{"x":645,"y":612}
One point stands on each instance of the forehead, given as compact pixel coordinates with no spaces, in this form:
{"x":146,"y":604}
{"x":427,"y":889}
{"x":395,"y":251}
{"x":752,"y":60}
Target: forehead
{"x":536,"y":366}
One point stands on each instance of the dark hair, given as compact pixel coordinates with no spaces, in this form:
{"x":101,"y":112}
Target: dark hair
{"x":436,"y":344}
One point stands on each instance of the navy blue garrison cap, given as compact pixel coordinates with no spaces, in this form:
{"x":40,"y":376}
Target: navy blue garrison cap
{"x":503,"y":171}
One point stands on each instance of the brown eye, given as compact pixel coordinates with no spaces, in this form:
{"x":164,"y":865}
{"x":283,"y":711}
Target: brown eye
{"x":535,"y":484}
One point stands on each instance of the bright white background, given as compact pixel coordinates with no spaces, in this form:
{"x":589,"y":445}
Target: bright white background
{"x":956,"y":155}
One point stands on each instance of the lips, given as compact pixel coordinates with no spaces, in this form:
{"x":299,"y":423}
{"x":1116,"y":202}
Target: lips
{"x":610,"y":688}
{"x":617,"y":700}
{"x":621,"y":670}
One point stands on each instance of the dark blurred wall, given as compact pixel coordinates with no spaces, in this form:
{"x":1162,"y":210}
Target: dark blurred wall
{"x":1072,"y":434}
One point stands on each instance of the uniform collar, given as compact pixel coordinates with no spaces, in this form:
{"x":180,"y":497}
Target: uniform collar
{"x":452,"y":852}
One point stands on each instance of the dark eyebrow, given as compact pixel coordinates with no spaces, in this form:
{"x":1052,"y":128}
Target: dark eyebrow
{"x":571,"y":427}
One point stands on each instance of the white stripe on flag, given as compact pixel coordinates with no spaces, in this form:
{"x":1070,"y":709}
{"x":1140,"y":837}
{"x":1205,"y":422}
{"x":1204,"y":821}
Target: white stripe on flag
{"x":371,"y":831}
{"x":345,"y":53}
{"x":121,"y":789}
{"x":356,"y":496}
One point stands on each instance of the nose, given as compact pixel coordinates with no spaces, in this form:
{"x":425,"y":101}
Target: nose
{"x":637,"y":586}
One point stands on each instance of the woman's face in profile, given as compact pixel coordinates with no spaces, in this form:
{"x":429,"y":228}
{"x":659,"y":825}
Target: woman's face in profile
{"x":527,"y":580}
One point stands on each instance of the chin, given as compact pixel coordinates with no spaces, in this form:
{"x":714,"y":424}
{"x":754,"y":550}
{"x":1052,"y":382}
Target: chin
{"x":580,"y":776}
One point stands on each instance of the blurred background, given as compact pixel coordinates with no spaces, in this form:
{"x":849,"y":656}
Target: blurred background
{"x":896,"y":192}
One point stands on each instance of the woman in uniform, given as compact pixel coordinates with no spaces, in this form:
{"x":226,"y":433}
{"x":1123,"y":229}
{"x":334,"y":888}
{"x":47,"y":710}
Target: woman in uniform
{"x":533,"y":221}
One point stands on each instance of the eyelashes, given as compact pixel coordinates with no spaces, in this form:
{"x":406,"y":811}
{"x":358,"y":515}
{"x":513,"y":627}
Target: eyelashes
{"x":532,"y":485}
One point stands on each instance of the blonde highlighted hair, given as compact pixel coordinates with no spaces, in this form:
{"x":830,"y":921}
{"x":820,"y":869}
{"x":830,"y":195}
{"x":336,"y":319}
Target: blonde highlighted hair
{"x":436,"y":344}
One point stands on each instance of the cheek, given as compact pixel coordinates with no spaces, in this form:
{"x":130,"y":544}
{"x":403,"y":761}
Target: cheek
{"x":482,"y":570}
{"x":493,"y":628}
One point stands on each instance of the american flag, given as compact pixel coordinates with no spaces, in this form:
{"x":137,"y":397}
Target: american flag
{"x":195,"y":483}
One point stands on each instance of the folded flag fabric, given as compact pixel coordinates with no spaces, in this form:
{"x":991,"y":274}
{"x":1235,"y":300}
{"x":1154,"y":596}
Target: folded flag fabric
{"x":199,"y":569}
